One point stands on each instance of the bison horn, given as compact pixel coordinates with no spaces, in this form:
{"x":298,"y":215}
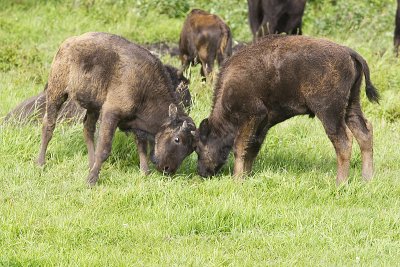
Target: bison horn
{"x":184,"y":126}
{"x":173,"y":111}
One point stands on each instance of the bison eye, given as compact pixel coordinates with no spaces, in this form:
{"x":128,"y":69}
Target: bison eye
{"x":176,"y":140}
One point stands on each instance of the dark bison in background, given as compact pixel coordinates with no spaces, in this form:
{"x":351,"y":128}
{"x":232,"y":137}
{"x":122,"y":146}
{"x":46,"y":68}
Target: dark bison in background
{"x":204,"y":38}
{"x":279,"y":77}
{"x":397,"y":29}
{"x":127,"y":87}
{"x":275,"y":16}
{"x":34,"y":108}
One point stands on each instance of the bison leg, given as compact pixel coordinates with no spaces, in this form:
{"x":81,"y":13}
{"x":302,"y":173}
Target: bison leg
{"x":89,"y":124}
{"x":255,"y":17}
{"x":49,"y":123}
{"x":362,"y":131}
{"x":141,"y":144}
{"x":108,"y":125}
{"x":207,"y":55}
{"x":341,"y":139}
{"x":247,"y":144}
{"x":293,"y":25}
{"x":267,"y":27}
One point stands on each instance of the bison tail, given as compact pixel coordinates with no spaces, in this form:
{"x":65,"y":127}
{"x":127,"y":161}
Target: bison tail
{"x":370,"y":90}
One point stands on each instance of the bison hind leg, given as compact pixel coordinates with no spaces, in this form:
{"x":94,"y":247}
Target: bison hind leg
{"x":341,"y":138}
{"x":53,"y":106}
{"x":362,"y":131}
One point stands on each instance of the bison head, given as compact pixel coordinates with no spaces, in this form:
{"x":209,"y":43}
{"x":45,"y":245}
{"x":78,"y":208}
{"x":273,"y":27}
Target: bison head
{"x":212,"y":150}
{"x":174,"y":142}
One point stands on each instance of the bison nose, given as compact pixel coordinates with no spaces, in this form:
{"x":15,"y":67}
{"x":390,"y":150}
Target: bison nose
{"x":168,"y":169}
{"x":204,"y":172}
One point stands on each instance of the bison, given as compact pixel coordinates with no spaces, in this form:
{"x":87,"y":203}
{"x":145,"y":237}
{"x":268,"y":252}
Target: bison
{"x":275,"y":16}
{"x":397,"y":29}
{"x":34,"y":108}
{"x":277,"y":78}
{"x":204,"y":38}
{"x":127,"y":87}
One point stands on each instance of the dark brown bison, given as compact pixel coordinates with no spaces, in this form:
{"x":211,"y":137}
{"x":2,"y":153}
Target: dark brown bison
{"x":397,"y":29}
{"x":34,"y":108}
{"x":204,"y":38}
{"x":127,"y":87}
{"x":278,"y":78}
{"x":275,"y":16}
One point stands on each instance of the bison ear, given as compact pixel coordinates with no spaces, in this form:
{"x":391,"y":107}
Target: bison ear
{"x":204,"y":129}
{"x":173,"y":111}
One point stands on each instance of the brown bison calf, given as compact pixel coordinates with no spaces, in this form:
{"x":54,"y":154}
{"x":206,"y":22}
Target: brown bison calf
{"x":278,"y":78}
{"x":127,"y":87}
{"x":204,"y":38}
{"x":275,"y":16}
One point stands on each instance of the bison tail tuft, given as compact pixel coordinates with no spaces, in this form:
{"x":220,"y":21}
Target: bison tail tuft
{"x":372,"y":93}
{"x":370,"y":90}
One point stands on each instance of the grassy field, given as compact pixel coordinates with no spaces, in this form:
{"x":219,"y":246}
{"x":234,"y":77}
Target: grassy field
{"x":288,"y":212}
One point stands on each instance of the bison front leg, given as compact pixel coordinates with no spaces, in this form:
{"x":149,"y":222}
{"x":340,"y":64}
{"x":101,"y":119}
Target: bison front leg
{"x":142,"y":145}
{"x":246,"y":146}
{"x":108,"y":126}
{"x":89,"y":125}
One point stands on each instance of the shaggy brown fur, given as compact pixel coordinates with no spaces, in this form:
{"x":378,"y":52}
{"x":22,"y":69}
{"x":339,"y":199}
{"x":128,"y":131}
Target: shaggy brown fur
{"x":275,"y":16}
{"x":278,"y":78}
{"x":127,"y":87}
{"x":204,"y":38}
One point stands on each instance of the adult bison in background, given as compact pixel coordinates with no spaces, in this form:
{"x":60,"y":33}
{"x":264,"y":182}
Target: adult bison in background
{"x":397,"y":29}
{"x":127,"y":87}
{"x":275,"y":79}
{"x":34,"y":108}
{"x":204,"y":38}
{"x":275,"y":16}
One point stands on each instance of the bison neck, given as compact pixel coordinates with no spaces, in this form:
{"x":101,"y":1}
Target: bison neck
{"x":149,"y":118}
{"x":224,"y":127}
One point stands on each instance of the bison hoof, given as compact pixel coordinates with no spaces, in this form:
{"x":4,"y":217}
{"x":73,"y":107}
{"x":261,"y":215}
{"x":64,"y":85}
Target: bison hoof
{"x":40,"y":162}
{"x":367,"y":176}
{"x":341,"y":182}
{"x":92,"y":179}
{"x":145,"y":172}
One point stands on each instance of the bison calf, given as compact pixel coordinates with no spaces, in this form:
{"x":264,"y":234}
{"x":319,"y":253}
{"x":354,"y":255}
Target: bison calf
{"x":204,"y":38}
{"x":127,"y":87}
{"x":275,"y":79}
{"x":275,"y":16}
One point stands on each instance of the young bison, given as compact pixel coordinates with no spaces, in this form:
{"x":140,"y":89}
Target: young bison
{"x":275,"y":16}
{"x":278,"y":78}
{"x":204,"y":37}
{"x":34,"y":108}
{"x":127,"y":87}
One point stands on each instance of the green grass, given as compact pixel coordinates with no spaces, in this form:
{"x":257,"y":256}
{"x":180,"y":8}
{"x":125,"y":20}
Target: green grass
{"x":288,"y":212}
